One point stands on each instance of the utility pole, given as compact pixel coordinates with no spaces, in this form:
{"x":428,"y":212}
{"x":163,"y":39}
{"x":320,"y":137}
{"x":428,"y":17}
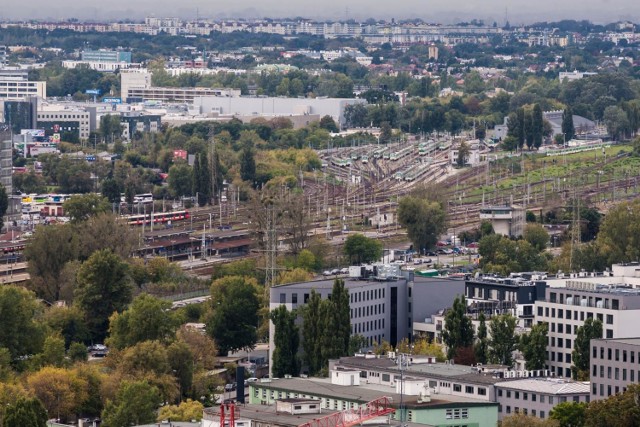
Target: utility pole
{"x":272,"y":248}
{"x":212,"y":164}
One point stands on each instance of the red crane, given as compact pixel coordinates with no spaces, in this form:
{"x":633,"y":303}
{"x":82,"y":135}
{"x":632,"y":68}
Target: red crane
{"x":231,"y":418}
{"x":351,"y":417}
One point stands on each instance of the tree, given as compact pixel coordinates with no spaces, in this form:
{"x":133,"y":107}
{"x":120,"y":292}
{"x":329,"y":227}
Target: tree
{"x":522,"y":420}
{"x":134,"y":404}
{"x":503,"y":339}
{"x":248,"y":165}
{"x":202,"y":179}
{"x":385,"y":132}
{"x":336,"y":319}
{"x":463,"y":154}
{"x":234,"y":318}
{"x":458,"y":329}
{"x":25,"y":413}
{"x":186,"y":411}
{"x":110,"y":127}
{"x":533,"y":346}
{"x":108,"y":232}
{"x":20,"y":334}
{"x":361,"y":249}
{"x":47,"y":253}
{"x":146,"y":319}
{"x":68,"y":322}
{"x":181,"y":179}
{"x":357,"y":343}
{"x":424,"y":220}
{"x":537,"y":235}
{"x":482,"y":345}
{"x":61,"y":391}
{"x":581,"y":354}
{"x":569,"y":414}
{"x":616,"y":121}
{"x":619,"y":235}
{"x":103,"y":287}
{"x":311,"y":333}
{"x":111,"y":190}
{"x":81,"y":207}
{"x":53,"y":351}
{"x":327,"y":122}
{"x":286,"y":341}
{"x":537,"y":126}
{"x":618,"y":410}
{"x":182,"y":366}
{"x":4,"y":204}
{"x":568,"y":129}
{"x":202,"y":347}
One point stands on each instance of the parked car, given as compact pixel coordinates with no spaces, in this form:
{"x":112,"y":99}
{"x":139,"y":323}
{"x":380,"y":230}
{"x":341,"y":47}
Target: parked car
{"x":344,"y":270}
{"x":230,"y":387}
{"x":335,"y":271}
{"x":326,"y":273}
{"x":417,"y":261}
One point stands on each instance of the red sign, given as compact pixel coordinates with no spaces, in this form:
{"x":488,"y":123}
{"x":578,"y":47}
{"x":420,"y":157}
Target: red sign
{"x":56,"y":128}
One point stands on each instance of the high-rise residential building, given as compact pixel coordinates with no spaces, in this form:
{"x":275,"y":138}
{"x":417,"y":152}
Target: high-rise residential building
{"x":15,"y":85}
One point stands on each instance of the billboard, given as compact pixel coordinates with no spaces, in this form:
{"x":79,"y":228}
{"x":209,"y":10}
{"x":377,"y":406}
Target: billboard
{"x":32,"y":132}
{"x":55,"y":137}
{"x":112,"y":100}
{"x":92,"y":91}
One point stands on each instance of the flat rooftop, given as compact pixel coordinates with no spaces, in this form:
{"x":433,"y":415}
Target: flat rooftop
{"x":328,"y":283}
{"x":547,"y":386}
{"x":268,"y":414}
{"x":430,"y":370}
{"x":322,"y":387}
{"x":629,"y":341}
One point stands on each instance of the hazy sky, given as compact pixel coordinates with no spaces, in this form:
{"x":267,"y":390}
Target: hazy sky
{"x":517,"y":11}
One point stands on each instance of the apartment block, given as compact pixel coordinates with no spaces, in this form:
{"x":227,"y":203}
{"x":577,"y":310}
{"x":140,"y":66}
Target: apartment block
{"x":566,"y":309}
{"x":615,"y":363}
{"x":15,"y":86}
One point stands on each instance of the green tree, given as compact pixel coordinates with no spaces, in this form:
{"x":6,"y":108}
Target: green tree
{"x":503,"y":339}
{"x":463,"y":154}
{"x":619,"y":235}
{"x":78,"y":352}
{"x":385,"y":132}
{"x":311,"y":333}
{"x":569,"y":414}
{"x":110,"y":127}
{"x":4,"y":204}
{"x":537,"y":126}
{"x":533,"y":346}
{"x":202,"y":179}
{"x":537,"y":235}
{"x":568,"y":129}
{"x":286,"y":341}
{"x":25,"y":413}
{"x":68,"y":322}
{"x":103,"y":287}
{"x":248,"y":165}
{"x":481,"y":346}
{"x":618,"y":410}
{"x":20,"y":333}
{"x":616,"y":121}
{"x":357,"y":343}
{"x":327,"y":122}
{"x":336,"y":323}
{"x":111,"y":190}
{"x":361,"y":249}
{"x":581,"y":354}
{"x":53,"y":351}
{"x":135,"y":404}
{"x":146,"y":319}
{"x":182,"y":366}
{"x":234,"y":318}
{"x":424,"y":220}
{"x":47,"y":253}
{"x":458,"y":329}
{"x":181,"y":179}
{"x":81,"y":207}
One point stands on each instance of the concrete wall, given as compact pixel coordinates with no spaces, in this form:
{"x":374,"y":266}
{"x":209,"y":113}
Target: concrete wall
{"x":614,"y":365}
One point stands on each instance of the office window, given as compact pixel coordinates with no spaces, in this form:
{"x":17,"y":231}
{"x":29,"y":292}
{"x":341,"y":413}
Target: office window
{"x":601,"y":371}
{"x":567,"y":343}
{"x":633,"y":355}
{"x":632,"y":375}
{"x":594,"y":388}
{"x":609,"y":372}
{"x":508,"y":393}
{"x":624,"y":356}
{"x":525,"y":396}
{"x":550,"y":400}
{"x":508,"y":409}
{"x":541,"y":414}
{"x":540,"y":311}
{"x":616,"y":374}
{"x":617,"y":353}
{"x":517,"y":395}
{"x":468,"y":389}
{"x":534,"y":397}
{"x":283,"y":298}
{"x":609,"y":333}
{"x":601,"y":352}
{"x":609,"y":319}
{"x":499,"y":392}
{"x":457,"y":387}
{"x":542,"y":398}
{"x":595,"y":370}
{"x":594,"y":352}
{"x":567,"y":357}
{"x":294,"y":298}
{"x":482,"y":391}
{"x":624,"y":374}
{"x":560,"y":313}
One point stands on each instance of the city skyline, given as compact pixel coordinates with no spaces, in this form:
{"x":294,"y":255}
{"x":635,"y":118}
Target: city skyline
{"x":517,"y":12}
